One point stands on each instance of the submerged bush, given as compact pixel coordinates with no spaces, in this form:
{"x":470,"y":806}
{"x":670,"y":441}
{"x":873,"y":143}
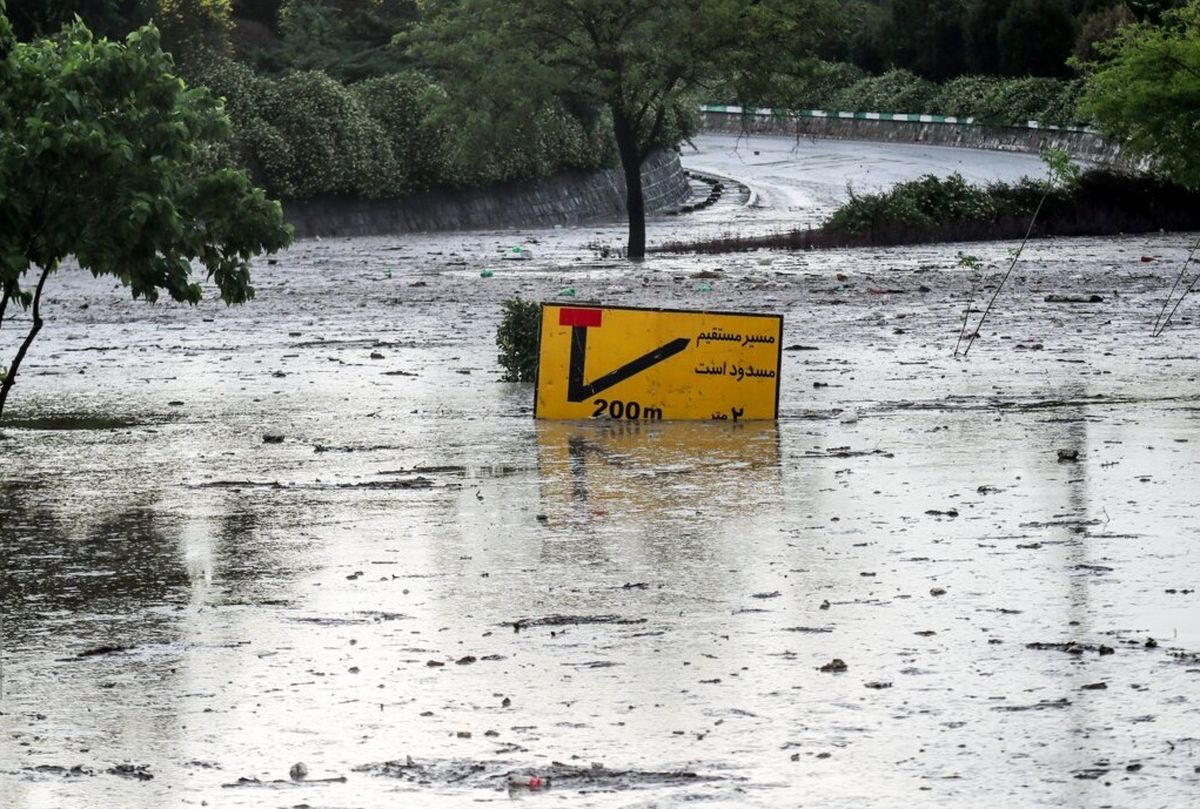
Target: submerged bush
{"x":517,"y":339}
{"x":921,"y":203}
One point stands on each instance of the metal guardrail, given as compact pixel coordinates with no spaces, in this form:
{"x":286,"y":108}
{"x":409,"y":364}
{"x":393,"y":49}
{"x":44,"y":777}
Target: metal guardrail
{"x":904,"y":117}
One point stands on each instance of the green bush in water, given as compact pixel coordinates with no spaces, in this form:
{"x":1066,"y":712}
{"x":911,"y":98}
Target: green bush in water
{"x":517,"y":339}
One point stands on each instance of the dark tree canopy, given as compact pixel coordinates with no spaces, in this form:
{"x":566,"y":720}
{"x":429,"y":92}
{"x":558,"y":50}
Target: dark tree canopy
{"x":927,"y":37}
{"x":1036,"y":37}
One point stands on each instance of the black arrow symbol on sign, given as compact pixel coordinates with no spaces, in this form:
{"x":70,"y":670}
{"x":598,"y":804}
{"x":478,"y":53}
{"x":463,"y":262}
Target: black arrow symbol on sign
{"x":579,"y":391}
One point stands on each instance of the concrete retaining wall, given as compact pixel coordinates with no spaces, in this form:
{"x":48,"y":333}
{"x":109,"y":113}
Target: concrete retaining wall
{"x":1082,"y":144}
{"x":566,"y":199}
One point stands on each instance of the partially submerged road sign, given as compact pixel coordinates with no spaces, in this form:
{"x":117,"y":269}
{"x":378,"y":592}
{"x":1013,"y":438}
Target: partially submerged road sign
{"x":627,"y":364}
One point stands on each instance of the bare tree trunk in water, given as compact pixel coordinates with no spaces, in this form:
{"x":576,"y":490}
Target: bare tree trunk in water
{"x":34,"y":328}
{"x":635,"y":202}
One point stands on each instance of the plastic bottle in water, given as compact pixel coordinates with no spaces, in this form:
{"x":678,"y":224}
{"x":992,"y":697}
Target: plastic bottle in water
{"x":528,"y":782}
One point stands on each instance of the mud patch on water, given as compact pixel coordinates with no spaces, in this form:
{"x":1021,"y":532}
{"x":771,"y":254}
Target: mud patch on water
{"x":77,"y":421}
{"x":556,"y":776}
{"x":419,"y":482}
{"x":570,"y":620}
{"x":134,"y":772}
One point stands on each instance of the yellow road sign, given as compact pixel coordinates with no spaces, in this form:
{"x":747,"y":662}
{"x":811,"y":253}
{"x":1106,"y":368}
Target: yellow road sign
{"x":627,"y":364}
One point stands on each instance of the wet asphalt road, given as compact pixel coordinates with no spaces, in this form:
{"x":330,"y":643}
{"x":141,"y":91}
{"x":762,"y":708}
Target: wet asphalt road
{"x":189,"y":611}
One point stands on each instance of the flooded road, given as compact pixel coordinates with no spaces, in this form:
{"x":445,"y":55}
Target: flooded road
{"x":798,"y":182}
{"x":423,"y":595}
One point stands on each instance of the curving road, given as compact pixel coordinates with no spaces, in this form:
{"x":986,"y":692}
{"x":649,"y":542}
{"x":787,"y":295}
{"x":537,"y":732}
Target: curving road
{"x":798,"y":182}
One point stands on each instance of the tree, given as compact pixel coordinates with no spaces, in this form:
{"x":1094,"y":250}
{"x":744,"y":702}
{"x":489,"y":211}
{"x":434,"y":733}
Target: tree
{"x":106,"y":155}
{"x":927,"y":37}
{"x":639,"y":60}
{"x":1097,"y":27}
{"x":1147,"y":95}
{"x":979,"y":35}
{"x":1035,"y":38}
{"x":191,"y":28}
{"x":867,"y":46}
{"x":348,"y":39}
{"x":34,"y":18}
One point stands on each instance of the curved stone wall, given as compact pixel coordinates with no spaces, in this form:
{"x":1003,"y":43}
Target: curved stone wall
{"x":563,"y":200}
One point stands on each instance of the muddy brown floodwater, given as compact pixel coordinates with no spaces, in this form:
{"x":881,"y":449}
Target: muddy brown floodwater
{"x":424,"y":596}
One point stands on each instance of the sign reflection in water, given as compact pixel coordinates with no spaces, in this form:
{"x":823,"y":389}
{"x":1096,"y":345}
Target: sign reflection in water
{"x":598,"y":474}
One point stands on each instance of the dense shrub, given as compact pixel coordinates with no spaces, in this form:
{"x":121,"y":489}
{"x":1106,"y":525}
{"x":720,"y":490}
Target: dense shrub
{"x":1063,"y":109}
{"x":988,"y":99}
{"x":348,"y":40}
{"x":191,"y":28}
{"x":534,"y":144}
{"x":331,"y":145}
{"x":1031,"y":99}
{"x":894,"y":91}
{"x":305,"y":134}
{"x":966,"y":97}
{"x":403,"y":104}
{"x":920,"y":203}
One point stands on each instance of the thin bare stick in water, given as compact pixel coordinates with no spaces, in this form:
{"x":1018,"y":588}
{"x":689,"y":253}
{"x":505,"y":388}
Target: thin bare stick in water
{"x":1156,"y":331}
{"x":1007,"y":273}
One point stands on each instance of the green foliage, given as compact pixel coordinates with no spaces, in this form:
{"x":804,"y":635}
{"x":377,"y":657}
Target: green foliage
{"x":331,"y":145}
{"x":263,"y":12}
{"x":540,"y":142}
{"x":1099,"y":27}
{"x":971,"y":262}
{"x":931,"y":204}
{"x":306,"y":135}
{"x":101,"y":149}
{"x":348,"y":39}
{"x":111,"y":18}
{"x":517,"y":339}
{"x":1147,"y":95}
{"x":99,"y":120}
{"x":894,"y":91}
{"x":989,"y":99}
{"x":920,"y":203}
{"x":943,"y":39}
{"x":193,"y":27}
{"x":868,"y":40}
{"x":404,"y":105}
{"x":1061,"y":171}
{"x":1047,"y":101}
{"x":968,"y":97}
{"x":818,"y":88}
{"x":980,"y":26}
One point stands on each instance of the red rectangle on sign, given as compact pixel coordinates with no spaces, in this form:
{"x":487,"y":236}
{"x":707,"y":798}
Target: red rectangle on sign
{"x":579,"y":317}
